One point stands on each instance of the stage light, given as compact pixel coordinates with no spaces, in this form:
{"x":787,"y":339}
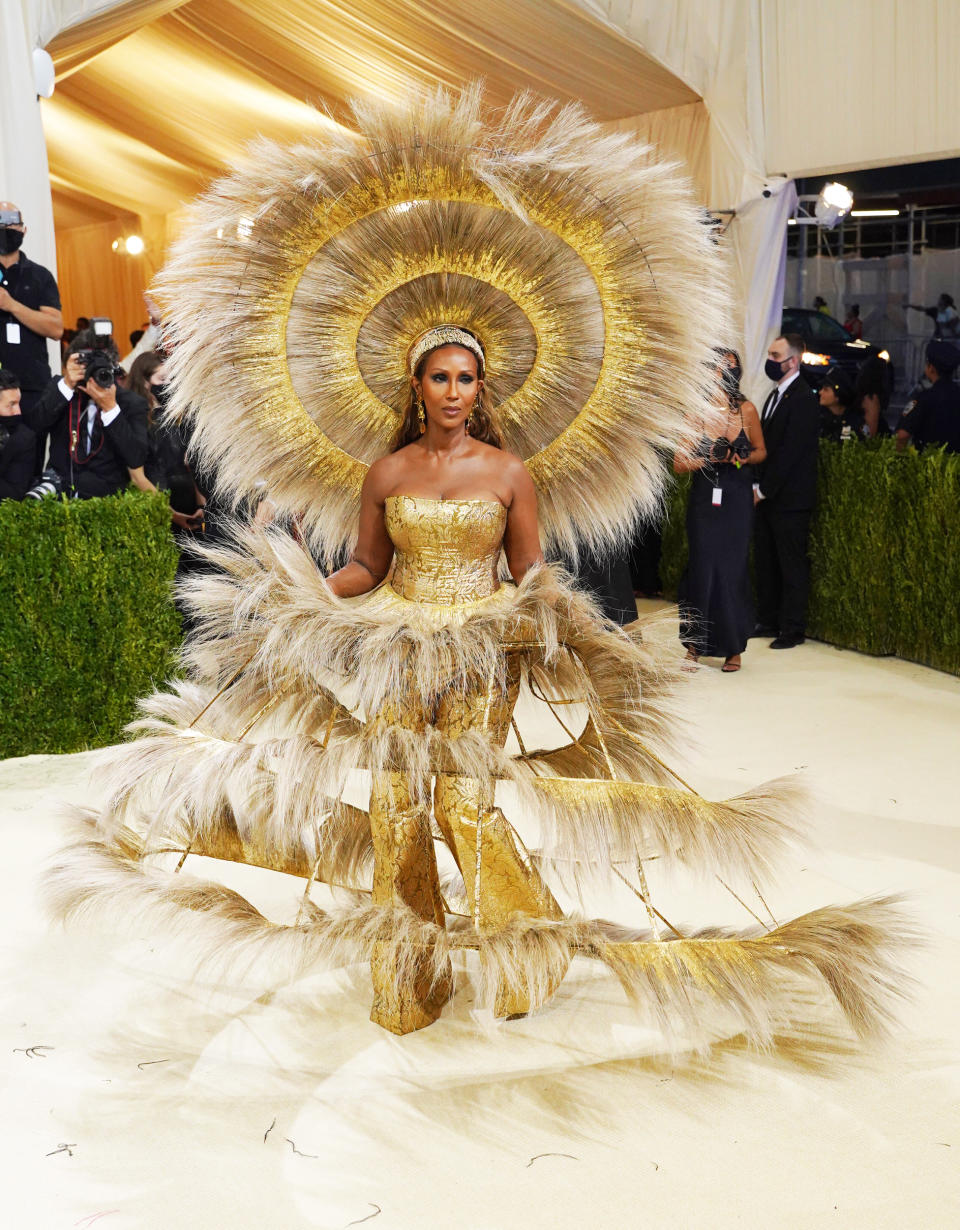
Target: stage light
{"x":885,"y":355}
{"x":116,"y":245}
{"x":814,"y":360}
{"x":134,"y":245}
{"x":832,"y":204}
{"x":874,"y":213}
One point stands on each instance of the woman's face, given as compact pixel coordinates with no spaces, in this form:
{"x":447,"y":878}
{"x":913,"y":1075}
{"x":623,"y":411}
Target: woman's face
{"x":449,"y":385}
{"x":829,"y":399}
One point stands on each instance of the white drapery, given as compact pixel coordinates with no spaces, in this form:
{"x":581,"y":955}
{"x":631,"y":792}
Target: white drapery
{"x":24,"y":170}
{"x":796,"y":89}
{"x":714,"y":46}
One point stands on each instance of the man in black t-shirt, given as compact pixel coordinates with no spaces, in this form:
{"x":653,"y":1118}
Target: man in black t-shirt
{"x":98,"y":432}
{"x":29,"y":309}
{"x":29,"y":316}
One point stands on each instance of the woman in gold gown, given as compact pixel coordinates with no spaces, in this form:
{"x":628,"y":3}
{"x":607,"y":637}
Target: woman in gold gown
{"x":440,"y":509}
{"x":448,"y":268}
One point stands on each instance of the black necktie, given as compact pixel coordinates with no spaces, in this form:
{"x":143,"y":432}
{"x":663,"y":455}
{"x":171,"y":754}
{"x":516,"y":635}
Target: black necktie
{"x":771,"y":405}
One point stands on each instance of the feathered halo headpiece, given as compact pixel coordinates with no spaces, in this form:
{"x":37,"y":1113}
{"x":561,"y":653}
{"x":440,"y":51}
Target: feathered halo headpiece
{"x":303,"y":280}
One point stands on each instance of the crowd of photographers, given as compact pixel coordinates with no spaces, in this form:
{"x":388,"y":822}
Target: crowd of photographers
{"x":94,"y":430}
{"x":97,"y":427}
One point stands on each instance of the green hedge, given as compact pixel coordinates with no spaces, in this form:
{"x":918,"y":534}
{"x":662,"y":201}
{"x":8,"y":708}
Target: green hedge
{"x":87,"y":625}
{"x":86,"y":620}
{"x":885,"y":559}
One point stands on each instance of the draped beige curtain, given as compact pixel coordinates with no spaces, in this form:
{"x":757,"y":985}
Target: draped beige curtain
{"x":858,"y":85}
{"x":156,"y":97}
{"x":96,"y":281}
{"x":79,"y":44}
{"x":170,"y":104}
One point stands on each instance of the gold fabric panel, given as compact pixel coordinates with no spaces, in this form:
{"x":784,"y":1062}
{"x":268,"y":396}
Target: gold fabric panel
{"x":446,"y":551}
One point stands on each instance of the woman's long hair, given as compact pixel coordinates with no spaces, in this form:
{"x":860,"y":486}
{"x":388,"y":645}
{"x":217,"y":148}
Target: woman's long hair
{"x":142,"y":368}
{"x":482,"y":424}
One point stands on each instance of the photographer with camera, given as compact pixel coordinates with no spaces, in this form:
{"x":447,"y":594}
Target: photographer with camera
{"x":98,"y":432}
{"x":716,"y":610}
{"x":17,"y":442}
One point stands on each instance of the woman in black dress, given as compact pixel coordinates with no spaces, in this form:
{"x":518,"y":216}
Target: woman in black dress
{"x":716,"y":609}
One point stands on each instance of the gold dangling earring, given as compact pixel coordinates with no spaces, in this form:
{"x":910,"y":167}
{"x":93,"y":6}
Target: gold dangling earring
{"x":421,"y":414}
{"x":471,"y":421}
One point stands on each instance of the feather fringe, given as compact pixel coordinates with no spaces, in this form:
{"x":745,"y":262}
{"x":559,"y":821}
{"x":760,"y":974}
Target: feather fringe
{"x":752,"y":979}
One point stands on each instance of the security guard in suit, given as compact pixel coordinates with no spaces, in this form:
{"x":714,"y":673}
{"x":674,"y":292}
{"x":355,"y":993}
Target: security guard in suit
{"x":784,"y":495}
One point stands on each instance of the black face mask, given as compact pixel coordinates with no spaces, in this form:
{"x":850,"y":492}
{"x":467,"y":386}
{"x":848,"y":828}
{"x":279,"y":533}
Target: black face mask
{"x":161,"y":393}
{"x":10,"y":240}
{"x":774,"y":370}
{"x":731,"y":377}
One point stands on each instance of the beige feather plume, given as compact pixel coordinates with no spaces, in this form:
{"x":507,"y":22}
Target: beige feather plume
{"x":578,"y":255}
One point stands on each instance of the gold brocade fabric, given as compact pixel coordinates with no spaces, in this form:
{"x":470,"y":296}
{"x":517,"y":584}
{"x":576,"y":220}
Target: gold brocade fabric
{"x":446,"y":550}
{"x":446,"y":556}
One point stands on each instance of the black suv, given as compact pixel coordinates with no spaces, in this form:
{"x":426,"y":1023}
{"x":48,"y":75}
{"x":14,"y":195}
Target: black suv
{"x":827,"y":344}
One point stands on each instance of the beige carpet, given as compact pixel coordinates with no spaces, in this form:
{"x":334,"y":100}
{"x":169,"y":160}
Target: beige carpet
{"x":148,"y":1103}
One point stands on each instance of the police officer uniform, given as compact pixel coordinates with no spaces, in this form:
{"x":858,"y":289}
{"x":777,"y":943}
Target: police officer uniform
{"x":933,"y":418}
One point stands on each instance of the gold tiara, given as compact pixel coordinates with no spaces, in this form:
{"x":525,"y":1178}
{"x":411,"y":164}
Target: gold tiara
{"x":444,"y":335}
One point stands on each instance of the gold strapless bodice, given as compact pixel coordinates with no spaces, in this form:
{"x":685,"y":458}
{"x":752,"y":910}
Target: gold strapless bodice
{"x":445,"y":551}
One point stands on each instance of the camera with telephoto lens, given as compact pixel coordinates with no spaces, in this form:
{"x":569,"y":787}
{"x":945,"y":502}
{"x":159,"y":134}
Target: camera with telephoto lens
{"x":49,"y":483}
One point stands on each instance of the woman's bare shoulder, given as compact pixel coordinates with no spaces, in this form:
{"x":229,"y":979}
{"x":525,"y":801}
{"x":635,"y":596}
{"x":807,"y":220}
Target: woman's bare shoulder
{"x":516,"y":473}
{"x":748,"y":408}
{"x":501,"y":457}
{"x":384,"y":471}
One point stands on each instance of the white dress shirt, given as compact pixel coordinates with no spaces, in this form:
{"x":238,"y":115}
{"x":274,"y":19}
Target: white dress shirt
{"x":782,"y":387}
{"x":106,"y":419}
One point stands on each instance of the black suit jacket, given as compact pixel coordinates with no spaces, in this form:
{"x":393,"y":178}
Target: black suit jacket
{"x":117,"y":448}
{"x":18,"y":447}
{"x":788,"y":477}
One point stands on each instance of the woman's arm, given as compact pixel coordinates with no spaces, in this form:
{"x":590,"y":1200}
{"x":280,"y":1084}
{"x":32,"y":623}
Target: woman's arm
{"x":370,"y":561}
{"x":522,"y":539}
{"x":751,"y":425}
{"x":870,"y":405}
{"x":683,"y":463}
{"x":139,"y":479}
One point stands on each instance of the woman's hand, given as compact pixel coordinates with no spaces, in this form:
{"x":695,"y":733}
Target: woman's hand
{"x":751,"y":425}
{"x":187,"y":521}
{"x":685,"y":463}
